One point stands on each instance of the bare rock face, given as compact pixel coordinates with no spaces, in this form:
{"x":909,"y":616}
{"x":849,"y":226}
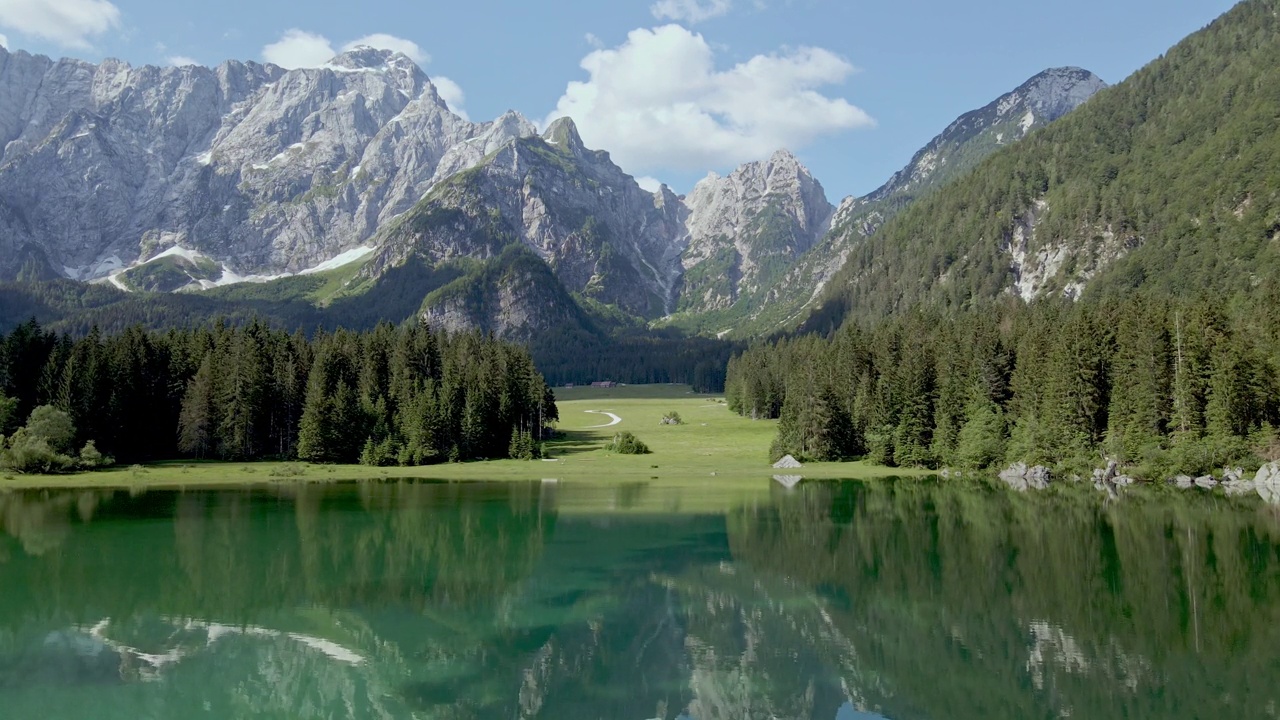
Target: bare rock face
{"x":974,"y":135}
{"x":960,"y":147}
{"x":261,"y":169}
{"x":744,"y":230}
{"x":600,"y":233}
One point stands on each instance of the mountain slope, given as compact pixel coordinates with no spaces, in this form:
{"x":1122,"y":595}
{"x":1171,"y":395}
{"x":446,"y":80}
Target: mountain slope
{"x":745,"y":230}
{"x":1169,"y":180}
{"x":514,"y":296}
{"x":968,"y":140}
{"x":263,"y":170}
{"x":602,"y":235}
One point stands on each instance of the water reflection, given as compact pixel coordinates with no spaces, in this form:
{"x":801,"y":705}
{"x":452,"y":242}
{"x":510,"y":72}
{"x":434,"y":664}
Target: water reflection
{"x":844,"y":601}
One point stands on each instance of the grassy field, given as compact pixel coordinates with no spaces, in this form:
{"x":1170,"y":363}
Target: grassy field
{"x":715,"y":449}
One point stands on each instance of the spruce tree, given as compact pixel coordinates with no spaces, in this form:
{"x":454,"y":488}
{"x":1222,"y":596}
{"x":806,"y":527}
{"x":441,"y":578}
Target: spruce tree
{"x":195,"y":421}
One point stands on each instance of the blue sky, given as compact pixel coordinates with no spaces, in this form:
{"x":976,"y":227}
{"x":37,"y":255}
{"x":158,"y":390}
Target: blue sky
{"x":675,"y":88}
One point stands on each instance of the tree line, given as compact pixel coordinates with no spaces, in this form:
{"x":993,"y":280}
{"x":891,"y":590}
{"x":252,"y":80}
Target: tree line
{"x":1163,"y":387}
{"x":392,"y":395}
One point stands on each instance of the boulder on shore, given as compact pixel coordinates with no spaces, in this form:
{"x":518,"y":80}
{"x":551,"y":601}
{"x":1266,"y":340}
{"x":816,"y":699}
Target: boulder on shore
{"x":787,"y":462}
{"x":1022,"y":478}
{"x":1267,"y":482}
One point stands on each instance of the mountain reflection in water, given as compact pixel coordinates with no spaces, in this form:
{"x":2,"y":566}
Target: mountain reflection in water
{"x":831,"y":601}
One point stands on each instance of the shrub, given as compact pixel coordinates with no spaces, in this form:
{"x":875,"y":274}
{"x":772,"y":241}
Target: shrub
{"x":288,"y":470}
{"x":625,"y":443}
{"x":28,"y":454}
{"x":672,"y":418}
{"x":379,"y":454}
{"x":91,"y":458}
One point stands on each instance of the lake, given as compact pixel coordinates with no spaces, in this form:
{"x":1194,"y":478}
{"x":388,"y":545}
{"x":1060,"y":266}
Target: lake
{"x":911,"y":599}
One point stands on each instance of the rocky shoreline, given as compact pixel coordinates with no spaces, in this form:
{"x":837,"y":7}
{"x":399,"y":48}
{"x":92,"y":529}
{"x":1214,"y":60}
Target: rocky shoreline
{"x":1233,"y":481}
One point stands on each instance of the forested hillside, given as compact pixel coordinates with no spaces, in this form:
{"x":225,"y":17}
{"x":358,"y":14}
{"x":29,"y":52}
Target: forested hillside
{"x":590,"y":343}
{"x":1162,"y":387}
{"x":1169,"y":181}
{"x":404,"y":396}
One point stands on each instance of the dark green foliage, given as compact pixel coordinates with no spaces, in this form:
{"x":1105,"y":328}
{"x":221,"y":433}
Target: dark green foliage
{"x":388,"y":396}
{"x":626,"y":443}
{"x":44,"y":445}
{"x":1163,"y":387}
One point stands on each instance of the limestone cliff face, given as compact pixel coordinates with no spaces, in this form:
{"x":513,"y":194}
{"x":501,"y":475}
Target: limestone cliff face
{"x":598,"y":231}
{"x":745,"y":229}
{"x":263,"y":170}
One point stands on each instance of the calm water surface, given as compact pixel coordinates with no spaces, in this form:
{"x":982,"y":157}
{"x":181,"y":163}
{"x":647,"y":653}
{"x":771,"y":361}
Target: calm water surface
{"x":833,"y":601}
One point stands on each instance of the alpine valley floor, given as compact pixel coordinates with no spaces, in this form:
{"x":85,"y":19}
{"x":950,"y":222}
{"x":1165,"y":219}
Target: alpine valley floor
{"x":714,"y":447}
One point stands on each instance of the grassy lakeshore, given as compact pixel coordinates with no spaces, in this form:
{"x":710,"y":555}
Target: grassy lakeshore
{"x":714,"y":446}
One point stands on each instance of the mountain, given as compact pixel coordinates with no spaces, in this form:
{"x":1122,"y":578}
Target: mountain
{"x":602,"y":235}
{"x":261,"y":171}
{"x":1167,"y":181}
{"x":968,"y":140}
{"x":976,"y":134}
{"x":743,"y":232}
{"x":180,"y":179}
{"x":515,"y":296}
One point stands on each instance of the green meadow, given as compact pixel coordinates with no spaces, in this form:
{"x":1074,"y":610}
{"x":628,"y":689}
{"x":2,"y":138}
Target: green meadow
{"x":714,"y":448}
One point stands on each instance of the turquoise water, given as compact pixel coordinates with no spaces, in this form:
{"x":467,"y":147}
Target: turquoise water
{"x":833,"y":601}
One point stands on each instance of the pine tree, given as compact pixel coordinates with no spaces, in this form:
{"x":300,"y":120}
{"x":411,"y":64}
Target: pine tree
{"x":195,"y":422}
{"x":981,"y":441}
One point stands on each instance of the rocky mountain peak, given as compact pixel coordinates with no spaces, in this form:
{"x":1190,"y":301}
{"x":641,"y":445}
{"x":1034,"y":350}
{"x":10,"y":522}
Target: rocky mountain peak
{"x":741,"y":227}
{"x":363,"y":57}
{"x":1054,"y":92}
{"x":781,"y":179}
{"x":1040,"y":100}
{"x":564,"y":132}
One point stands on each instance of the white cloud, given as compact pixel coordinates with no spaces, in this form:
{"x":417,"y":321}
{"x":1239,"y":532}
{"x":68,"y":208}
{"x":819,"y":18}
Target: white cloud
{"x":4,"y":41}
{"x":299,"y":49}
{"x":652,"y":184}
{"x":181,"y":61}
{"x":383,"y":41}
{"x":69,"y":23}
{"x":658,"y":102}
{"x":452,"y":95}
{"x":593,"y":40}
{"x":690,"y":11}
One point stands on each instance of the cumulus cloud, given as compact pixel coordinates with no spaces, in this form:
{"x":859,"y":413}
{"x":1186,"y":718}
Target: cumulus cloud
{"x":690,"y":11}
{"x":652,"y":184}
{"x":299,"y":49}
{"x":451,"y":93}
{"x":69,"y":23}
{"x":181,"y":61}
{"x":659,"y":102}
{"x":383,"y":41}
